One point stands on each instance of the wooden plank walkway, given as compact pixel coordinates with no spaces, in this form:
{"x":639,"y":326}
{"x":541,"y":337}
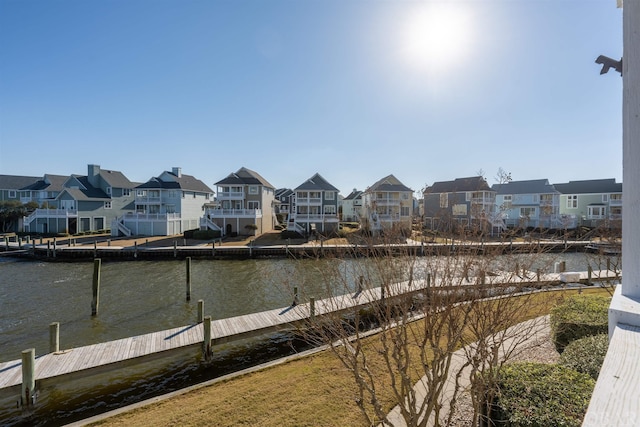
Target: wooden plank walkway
{"x":240,"y":327}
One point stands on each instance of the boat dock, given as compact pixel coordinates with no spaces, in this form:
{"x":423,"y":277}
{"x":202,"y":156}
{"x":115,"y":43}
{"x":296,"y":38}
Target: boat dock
{"x":110,"y":250}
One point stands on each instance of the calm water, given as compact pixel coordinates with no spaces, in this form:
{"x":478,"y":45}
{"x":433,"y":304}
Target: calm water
{"x":144,"y":296}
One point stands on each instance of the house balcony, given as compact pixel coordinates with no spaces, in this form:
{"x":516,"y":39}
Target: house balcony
{"x":234,"y":213}
{"x":306,"y":217}
{"x":52,"y":213}
{"x":140,"y":216}
{"x":615,"y":202}
{"x":483,"y":201}
{"x":231,"y":195}
{"x":142,"y":200}
{"x":309,"y":201}
{"x":387,"y":202}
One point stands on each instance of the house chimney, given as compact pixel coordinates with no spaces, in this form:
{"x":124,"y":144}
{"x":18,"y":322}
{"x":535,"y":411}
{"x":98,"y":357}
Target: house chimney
{"x":92,"y":174}
{"x":177,"y":172}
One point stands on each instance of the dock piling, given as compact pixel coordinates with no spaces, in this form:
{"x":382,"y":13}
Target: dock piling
{"x":54,"y":337}
{"x":295,"y":296}
{"x":95,"y":301}
{"x":206,"y":345}
{"x":28,"y":376}
{"x":200,"y":310}
{"x":589,"y":273}
{"x":175,"y":249}
{"x":312,"y":308}
{"x":188,"y":264}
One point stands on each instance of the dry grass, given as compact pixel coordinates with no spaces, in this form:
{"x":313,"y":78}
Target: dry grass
{"x":311,"y":391}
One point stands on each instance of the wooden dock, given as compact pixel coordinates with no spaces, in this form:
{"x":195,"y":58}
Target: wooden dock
{"x":72,"y":252}
{"x":109,"y":355}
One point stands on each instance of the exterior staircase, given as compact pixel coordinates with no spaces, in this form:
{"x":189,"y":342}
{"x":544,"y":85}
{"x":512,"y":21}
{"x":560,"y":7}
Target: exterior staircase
{"x":118,"y":228}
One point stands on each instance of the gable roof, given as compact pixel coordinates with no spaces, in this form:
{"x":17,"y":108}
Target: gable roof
{"x":115,"y":179}
{"x":355,"y":194}
{"x":245,"y":176}
{"x":472,"y":183}
{"x":14,"y":182}
{"x":48,"y":183}
{"x":316,"y":182}
{"x":388,"y":183}
{"x":592,"y":186}
{"x":182,"y":182}
{"x":535,"y":186}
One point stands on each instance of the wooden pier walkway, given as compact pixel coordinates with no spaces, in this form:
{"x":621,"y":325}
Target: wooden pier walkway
{"x":108,"y":355}
{"x":69,"y":251}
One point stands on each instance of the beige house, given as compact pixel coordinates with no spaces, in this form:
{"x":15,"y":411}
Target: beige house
{"x":244,"y":205}
{"x":387,"y":205}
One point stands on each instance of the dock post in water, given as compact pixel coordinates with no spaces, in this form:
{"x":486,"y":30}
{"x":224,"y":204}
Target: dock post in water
{"x":589,"y":273}
{"x":28,"y":376}
{"x":200,"y":310}
{"x":206,"y":344}
{"x":95,"y":301}
{"x":175,"y":249}
{"x":54,"y":247}
{"x":54,"y":337}
{"x":95,"y":248}
{"x":188,"y":278}
{"x":312,"y":308}
{"x":295,"y":296}
{"x":135,"y":249}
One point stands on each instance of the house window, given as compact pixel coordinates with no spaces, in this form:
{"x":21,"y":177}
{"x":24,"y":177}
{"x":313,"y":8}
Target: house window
{"x":404,"y":211}
{"x":330,"y":195}
{"x":615,"y":197}
{"x":173,"y":194}
{"x":444,"y":200}
{"x":107,"y":205}
{"x":595,"y":212}
{"x":405,"y":196}
{"x":507,"y":200}
{"x":572,"y":202}
{"x":536,"y":198}
{"x":528,"y":212}
{"x":141,"y":193}
{"x":170,"y":208}
{"x":253,"y":205}
{"x":329,"y":210}
{"x":12,"y":194}
{"x":605,"y":198}
{"x":467,"y":196}
{"x":253,"y":189}
{"x":126,"y":191}
{"x":109,"y":190}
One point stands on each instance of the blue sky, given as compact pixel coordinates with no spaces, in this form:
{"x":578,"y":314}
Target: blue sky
{"x":288,"y":88}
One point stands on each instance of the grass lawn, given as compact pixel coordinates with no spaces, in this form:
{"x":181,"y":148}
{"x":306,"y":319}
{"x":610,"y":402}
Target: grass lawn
{"x":311,"y":391}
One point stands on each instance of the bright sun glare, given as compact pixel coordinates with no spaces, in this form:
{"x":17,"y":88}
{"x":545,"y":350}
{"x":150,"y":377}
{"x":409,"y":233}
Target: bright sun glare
{"x":437,"y":36}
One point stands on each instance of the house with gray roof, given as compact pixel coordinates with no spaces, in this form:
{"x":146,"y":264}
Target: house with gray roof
{"x":44,"y":191}
{"x":530,"y":204}
{"x":168,"y":204}
{"x":461,"y":204}
{"x":314,"y":207}
{"x":283,"y":205}
{"x":352,"y":206}
{"x":594,"y":203}
{"x":387,"y":205}
{"x":10,"y":186}
{"x":80,"y":203}
{"x":245,"y":204}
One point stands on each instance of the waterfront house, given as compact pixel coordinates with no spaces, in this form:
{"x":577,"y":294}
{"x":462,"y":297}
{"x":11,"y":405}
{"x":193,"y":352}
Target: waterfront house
{"x":283,"y":205}
{"x":352,"y":206}
{"x":10,"y":186}
{"x":530,"y":204}
{"x":245,"y":204}
{"x":81,"y":203}
{"x":387,"y":205}
{"x":314,"y":207}
{"x":461,"y":204}
{"x":594,"y":203}
{"x":169,"y":204}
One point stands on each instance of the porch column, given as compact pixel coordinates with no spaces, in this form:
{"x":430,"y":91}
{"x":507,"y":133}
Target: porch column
{"x":625,"y":306}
